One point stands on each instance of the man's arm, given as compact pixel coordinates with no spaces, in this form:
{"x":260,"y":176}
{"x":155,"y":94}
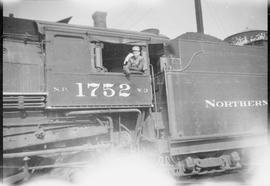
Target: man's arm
{"x":127,"y":58}
{"x":126,"y":67}
{"x":139,"y":67}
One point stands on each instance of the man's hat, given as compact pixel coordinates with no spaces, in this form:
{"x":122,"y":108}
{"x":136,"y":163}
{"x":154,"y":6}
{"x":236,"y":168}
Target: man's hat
{"x":135,"y":48}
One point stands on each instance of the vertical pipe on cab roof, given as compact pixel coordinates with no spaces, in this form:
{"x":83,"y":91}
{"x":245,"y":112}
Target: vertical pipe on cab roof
{"x":199,"y":18}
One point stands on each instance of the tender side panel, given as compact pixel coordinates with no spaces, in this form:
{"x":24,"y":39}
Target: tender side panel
{"x":23,"y":67}
{"x":220,"y":92}
{"x":205,"y":104}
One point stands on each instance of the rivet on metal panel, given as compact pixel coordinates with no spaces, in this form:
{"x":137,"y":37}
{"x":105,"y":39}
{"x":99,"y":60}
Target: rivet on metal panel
{"x":40,"y":133}
{"x":23,"y":114}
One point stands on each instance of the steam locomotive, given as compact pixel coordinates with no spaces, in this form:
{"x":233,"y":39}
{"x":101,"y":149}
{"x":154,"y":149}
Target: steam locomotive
{"x":201,"y":103}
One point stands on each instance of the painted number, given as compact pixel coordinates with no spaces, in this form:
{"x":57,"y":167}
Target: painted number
{"x":124,"y":90}
{"x":95,"y":86}
{"x":107,"y":90}
{"x":80,"y":90}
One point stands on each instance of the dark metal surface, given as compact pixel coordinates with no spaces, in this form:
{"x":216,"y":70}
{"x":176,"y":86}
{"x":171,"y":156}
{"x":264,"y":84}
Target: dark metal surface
{"x":89,"y":112}
{"x":216,"y":143}
{"x":103,"y":34}
{"x":68,"y":52}
{"x":231,"y":178}
{"x":220,"y":57}
{"x":66,"y":89}
{"x":220,"y":91}
{"x":23,"y":101}
{"x":23,"y":69}
{"x":50,"y":136}
{"x":203,"y":104}
{"x":19,"y":26}
{"x":55,"y":151}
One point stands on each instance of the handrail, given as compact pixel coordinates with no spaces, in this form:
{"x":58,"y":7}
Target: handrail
{"x":154,"y":87}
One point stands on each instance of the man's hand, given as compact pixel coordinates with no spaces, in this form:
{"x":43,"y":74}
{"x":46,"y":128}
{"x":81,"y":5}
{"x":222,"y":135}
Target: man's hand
{"x":126,"y":70}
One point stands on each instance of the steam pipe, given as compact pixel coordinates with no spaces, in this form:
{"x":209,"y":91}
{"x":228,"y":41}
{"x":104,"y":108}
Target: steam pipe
{"x":86,"y":112}
{"x":111,"y":127}
{"x":53,"y":151}
{"x":154,"y":87}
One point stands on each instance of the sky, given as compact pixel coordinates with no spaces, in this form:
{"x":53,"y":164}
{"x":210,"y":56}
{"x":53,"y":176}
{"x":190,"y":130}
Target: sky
{"x":221,"y":18}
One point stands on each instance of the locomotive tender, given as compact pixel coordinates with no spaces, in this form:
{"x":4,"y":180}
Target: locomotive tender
{"x":201,"y":103}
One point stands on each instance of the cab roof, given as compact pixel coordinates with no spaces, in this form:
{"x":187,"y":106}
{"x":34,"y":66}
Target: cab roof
{"x":34,"y":28}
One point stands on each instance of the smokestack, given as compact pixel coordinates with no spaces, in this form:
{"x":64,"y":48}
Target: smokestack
{"x":199,"y":18}
{"x":100,"y":19}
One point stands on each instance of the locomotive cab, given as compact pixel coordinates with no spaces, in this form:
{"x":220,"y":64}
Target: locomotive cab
{"x":86,"y":65}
